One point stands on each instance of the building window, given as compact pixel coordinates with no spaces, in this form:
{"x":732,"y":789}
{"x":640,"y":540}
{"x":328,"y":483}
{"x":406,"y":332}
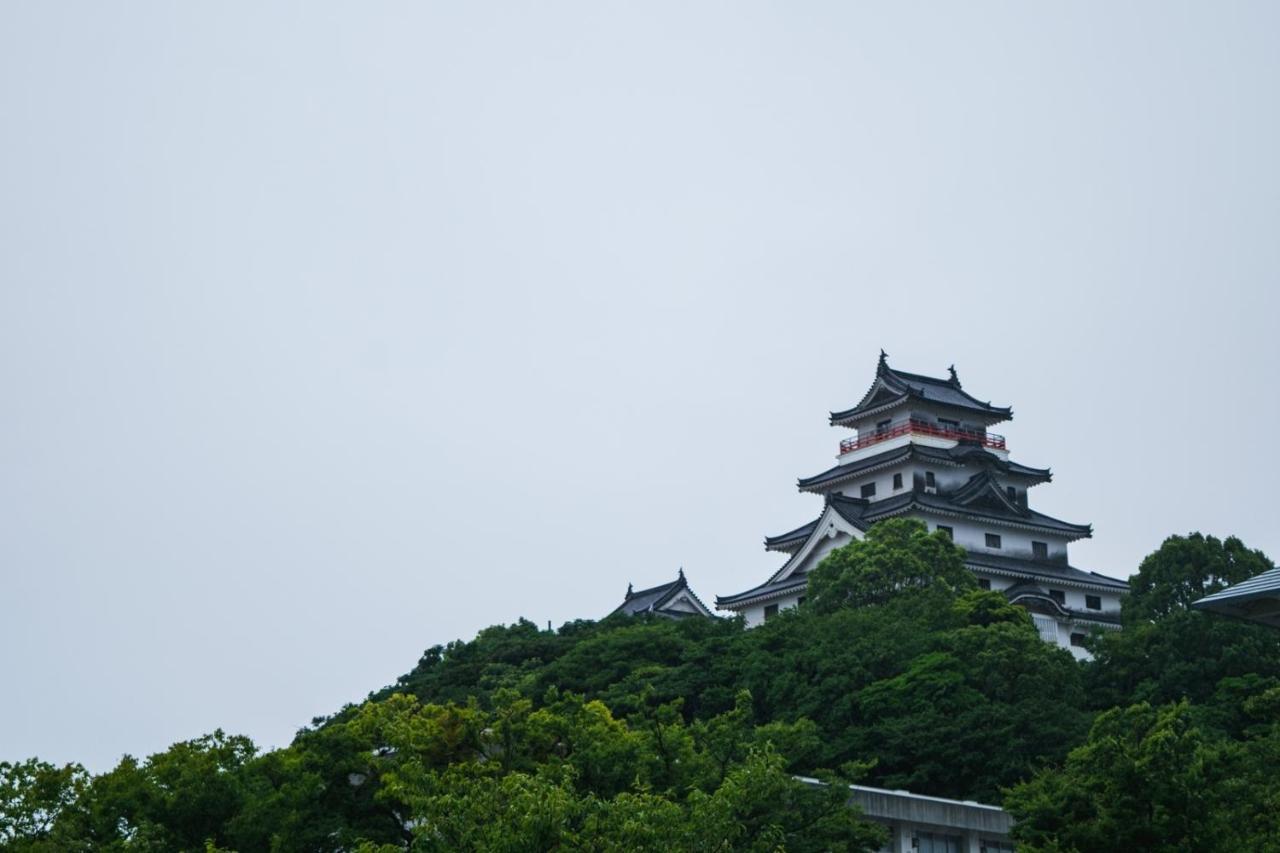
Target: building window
{"x":929,"y":842}
{"x":897,"y":481}
{"x":883,"y":427}
{"x":869,"y":490}
{"x":1093,"y":602}
{"x":1058,"y":596}
{"x":770,"y":611}
{"x":948,"y":423}
{"x":989,"y":846}
{"x":1012,"y":493}
{"x":929,"y":479}
{"x":799,"y":601}
{"x":1077,"y":639}
{"x":951,"y":534}
{"x":984,"y":583}
{"x":993,"y":540}
{"x":1040,"y":550}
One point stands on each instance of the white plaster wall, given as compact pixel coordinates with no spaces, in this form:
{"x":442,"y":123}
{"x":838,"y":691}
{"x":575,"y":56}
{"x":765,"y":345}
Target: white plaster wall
{"x":754,"y":615}
{"x":1013,"y":543}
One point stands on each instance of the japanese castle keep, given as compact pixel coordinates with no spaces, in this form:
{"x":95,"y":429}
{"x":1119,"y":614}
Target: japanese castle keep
{"x":922,"y":449}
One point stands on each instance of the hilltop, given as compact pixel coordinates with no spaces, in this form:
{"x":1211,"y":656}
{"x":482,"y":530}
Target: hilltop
{"x":654,"y":733}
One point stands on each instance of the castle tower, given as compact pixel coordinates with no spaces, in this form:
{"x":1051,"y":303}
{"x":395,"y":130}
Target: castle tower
{"x":923,"y":449}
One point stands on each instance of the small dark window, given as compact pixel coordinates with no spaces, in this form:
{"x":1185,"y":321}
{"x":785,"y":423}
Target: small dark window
{"x":770,"y":611}
{"x":883,"y":426}
{"x":984,"y":583}
{"x":1040,"y":550}
{"x":1077,"y":639}
{"x":948,"y":423}
{"x":897,"y":481}
{"x":869,"y":490}
{"x":799,"y":601}
{"x":929,"y":480}
{"x":1093,"y":602}
{"x":993,"y":540}
{"x":1012,"y":493}
{"x":942,"y":528}
{"x":1058,"y":596}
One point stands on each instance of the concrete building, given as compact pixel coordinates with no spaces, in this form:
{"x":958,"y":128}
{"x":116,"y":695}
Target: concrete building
{"x":922,"y":449}
{"x":920,"y":824}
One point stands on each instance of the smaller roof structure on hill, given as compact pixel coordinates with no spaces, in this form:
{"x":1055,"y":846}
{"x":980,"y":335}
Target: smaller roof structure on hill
{"x":675,"y":600}
{"x":1257,"y":600}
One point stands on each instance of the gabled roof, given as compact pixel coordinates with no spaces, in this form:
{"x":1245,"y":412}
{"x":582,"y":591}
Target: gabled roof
{"x":1257,"y":599}
{"x":892,"y":387}
{"x":659,"y":599}
{"x":956,"y":457}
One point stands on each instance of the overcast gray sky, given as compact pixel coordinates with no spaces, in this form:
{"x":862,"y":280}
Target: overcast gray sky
{"x":332,"y":332}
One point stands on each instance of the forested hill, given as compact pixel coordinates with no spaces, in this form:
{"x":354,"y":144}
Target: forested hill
{"x":645,"y":733}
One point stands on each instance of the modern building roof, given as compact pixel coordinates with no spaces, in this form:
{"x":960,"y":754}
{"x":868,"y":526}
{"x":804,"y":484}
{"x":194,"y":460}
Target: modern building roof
{"x":956,"y":457}
{"x":892,"y":388}
{"x":1257,"y":599}
{"x":675,"y":599}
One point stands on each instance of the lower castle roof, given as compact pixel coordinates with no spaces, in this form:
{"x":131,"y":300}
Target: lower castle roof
{"x":1032,"y":571}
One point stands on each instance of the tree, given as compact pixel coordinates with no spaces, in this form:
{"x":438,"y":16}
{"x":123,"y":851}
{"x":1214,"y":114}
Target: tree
{"x":1149,"y":779}
{"x":897,"y":555}
{"x":518,"y":779}
{"x":979,"y":710}
{"x":1185,"y":569}
{"x":1168,"y":651}
{"x":33,"y":795}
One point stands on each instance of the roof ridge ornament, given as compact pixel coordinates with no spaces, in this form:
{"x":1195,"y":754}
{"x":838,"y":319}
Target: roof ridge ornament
{"x":629,"y":593}
{"x":883,"y":366}
{"x":955,"y":380}
{"x":681,"y":573}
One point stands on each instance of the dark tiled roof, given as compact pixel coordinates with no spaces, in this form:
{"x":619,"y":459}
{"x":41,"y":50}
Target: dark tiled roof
{"x":653,"y":599}
{"x":1041,"y":570}
{"x":992,"y":512}
{"x":892,"y":387}
{"x":763,"y":591}
{"x":958,"y":456}
{"x":790,"y":540}
{"x":852,"y":510}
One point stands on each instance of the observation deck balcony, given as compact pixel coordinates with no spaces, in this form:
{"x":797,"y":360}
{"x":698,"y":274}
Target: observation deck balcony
{"x":919,"y":427}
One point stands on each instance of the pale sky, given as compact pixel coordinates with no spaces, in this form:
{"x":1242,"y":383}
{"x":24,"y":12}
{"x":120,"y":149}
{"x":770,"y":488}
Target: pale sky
{"x":330,"y":332}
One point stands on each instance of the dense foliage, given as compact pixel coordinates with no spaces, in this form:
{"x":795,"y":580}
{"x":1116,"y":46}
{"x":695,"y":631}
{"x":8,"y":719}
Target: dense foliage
{"x":640,"y":733}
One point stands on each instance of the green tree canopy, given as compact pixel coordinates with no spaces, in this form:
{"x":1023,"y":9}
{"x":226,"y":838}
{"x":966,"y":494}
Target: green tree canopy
{"x":1185,"y":569}
{"x":896,"y":555}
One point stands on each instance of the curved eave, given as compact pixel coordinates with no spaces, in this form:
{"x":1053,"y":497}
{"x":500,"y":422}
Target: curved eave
{"x":850,"y":417}
{"x":763,"y":593}
{"x":792,"y":540}
{"x":1059,"y":574}
{"x":1028,"y":522}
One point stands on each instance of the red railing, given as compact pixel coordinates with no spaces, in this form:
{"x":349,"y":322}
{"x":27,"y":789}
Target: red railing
{"x":986,"y":439}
